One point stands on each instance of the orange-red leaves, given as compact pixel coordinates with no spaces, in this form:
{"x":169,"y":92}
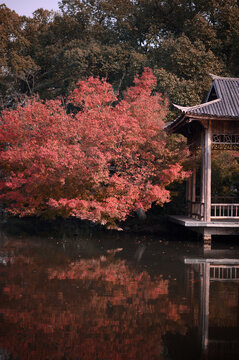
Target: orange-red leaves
{"x":100,"y":164}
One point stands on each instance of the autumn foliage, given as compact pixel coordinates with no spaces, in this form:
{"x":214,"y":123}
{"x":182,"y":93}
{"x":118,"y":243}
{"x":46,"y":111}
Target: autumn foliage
{"x":99,"y":163}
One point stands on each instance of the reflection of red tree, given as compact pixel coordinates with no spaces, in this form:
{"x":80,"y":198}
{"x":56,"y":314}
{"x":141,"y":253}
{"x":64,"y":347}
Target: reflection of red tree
{"x":222,"y":313}
{"x":92,"y":309}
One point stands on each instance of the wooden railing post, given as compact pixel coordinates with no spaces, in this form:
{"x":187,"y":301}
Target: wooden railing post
{"x":194,"y":176}
{"x":189,"y":196}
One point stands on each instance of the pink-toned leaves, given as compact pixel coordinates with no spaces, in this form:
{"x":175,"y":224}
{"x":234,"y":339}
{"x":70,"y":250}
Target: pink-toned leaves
{"x":100,"y":164}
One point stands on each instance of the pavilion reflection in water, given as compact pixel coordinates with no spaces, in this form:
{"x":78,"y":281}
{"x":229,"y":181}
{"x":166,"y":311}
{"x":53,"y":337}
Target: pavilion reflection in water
{"x":218,"y":308}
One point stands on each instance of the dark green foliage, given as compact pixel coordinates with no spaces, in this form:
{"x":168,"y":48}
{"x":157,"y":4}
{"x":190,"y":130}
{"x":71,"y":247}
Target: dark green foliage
{"x":225,"y":168}
{"x":181,"y":40}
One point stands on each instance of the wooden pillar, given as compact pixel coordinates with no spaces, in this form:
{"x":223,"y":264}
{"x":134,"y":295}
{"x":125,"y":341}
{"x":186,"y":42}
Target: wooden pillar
{"x":207,"y":166}
{"x":194,"y":174}
{"x":193,"y":191}
{"x":189,"y":195}
{"x":186,"y":197}
{"x":202,"y":188}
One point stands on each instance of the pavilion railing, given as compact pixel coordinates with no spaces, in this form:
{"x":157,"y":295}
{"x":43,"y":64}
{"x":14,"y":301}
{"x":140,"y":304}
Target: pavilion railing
{"x":225,"y":211}
{"x":221,"y":208}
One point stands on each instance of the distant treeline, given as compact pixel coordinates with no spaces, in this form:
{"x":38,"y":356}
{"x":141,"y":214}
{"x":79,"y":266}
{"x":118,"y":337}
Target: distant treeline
{"x":181,"y":40}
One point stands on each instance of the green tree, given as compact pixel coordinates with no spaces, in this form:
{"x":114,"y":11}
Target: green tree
{"x":17,"y":68}
{"x":181,"y":40}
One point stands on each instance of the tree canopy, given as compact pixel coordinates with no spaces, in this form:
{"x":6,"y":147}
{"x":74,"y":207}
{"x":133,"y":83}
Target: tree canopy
{"x":100,"y":160}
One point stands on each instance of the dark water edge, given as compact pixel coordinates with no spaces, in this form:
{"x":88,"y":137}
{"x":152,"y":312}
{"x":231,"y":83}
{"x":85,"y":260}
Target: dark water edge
{"x":155,"y":224}
{"x":73,"y":291}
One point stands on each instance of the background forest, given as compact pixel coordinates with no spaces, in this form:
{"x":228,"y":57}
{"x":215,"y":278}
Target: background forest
{"x":182,"y":41}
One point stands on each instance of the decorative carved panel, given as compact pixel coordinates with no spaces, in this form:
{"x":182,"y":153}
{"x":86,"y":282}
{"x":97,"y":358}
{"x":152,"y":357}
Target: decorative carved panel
{"x":225,"y":141}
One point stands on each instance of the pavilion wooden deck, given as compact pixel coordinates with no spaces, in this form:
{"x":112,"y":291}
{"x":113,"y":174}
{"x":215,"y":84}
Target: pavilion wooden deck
{"x":208,"y":228}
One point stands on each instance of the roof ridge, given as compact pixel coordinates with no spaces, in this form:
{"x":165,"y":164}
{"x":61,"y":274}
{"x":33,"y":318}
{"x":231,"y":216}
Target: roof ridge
{"x":195,"y":107}
{"x":218,"y":77}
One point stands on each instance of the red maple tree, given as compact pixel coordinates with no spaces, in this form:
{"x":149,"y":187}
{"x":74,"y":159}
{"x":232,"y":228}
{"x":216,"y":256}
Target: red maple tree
{"x":100,"y":164}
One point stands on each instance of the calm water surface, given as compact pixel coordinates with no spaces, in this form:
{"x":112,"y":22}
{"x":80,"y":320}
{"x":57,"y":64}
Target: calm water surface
{"x":117,"y":297}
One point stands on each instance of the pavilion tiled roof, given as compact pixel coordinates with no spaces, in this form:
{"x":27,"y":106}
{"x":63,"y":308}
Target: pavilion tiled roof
{"x":226,"y":103}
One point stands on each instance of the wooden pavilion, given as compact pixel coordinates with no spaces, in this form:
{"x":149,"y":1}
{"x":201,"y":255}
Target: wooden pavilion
{"x":212,"y":125}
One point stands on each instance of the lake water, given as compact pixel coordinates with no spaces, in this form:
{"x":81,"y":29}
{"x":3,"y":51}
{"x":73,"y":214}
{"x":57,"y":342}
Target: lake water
{"x":105,"y":296}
